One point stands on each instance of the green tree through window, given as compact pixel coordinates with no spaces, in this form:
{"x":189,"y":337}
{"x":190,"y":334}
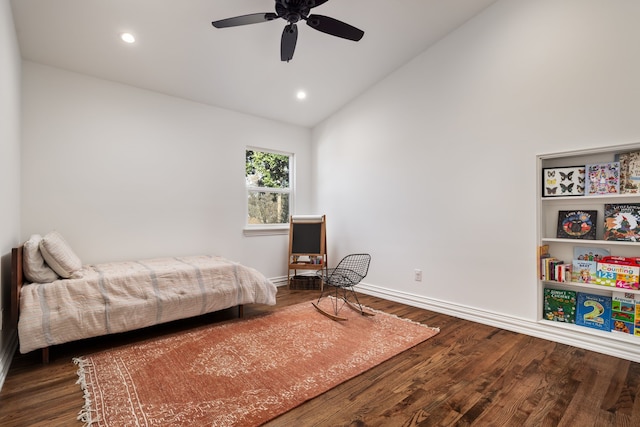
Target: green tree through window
{"x":268,"y":177}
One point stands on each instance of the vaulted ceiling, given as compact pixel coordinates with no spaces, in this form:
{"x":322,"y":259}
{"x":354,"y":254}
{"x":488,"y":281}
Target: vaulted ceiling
{"x":178,"y":52}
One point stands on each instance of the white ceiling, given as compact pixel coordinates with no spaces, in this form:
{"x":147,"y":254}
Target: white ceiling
{"x":179,"y":53}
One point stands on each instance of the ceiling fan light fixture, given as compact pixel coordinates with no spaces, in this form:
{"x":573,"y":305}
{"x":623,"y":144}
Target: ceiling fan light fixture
{"x":128,"y":38}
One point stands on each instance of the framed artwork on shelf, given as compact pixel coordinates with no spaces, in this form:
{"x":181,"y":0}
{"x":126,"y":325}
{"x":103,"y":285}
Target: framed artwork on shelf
{"x":577,"y":225}
{"x":564,"y":181}
{"x":603,"y":178}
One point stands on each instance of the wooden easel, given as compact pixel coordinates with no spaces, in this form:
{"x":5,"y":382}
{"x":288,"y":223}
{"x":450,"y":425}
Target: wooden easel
{"x":307,"y":244}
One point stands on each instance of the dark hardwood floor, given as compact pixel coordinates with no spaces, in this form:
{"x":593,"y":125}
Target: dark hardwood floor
{"x":469,"y":374}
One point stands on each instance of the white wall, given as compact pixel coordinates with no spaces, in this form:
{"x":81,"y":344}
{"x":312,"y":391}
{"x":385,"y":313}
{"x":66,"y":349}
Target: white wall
{"x":435,"y":167}
{"x":125,"y":173}
{"x":9,"y":172}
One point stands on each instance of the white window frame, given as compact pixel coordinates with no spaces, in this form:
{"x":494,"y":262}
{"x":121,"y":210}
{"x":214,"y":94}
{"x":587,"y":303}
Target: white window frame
{"x":270,"y":229}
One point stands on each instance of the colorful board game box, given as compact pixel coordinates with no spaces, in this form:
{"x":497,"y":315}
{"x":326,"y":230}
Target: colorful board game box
{"x":593,"y":311}
{"x":636,"y":329}
{"x":620,"y":272}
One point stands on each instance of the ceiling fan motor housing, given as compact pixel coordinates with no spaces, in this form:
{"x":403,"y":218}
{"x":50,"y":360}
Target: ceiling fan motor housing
{"x":294,"y":10}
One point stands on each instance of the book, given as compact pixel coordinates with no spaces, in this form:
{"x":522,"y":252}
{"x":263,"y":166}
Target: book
{"x":593,"y":311}
{"x":559,"y":305}
{"x":623,"y":312}
{"x":556,"y":270}
{"x":622,"y":222}
{"x":577,"y":224}
{"x":585,"y":262}
{"x":551,"y":268}
{"x":629,"y":172}
{"x":543,"y":252}
{"x":584,"y":271}
{"x":585,"y":253}
{"x":563,"y":272}
{"x":603,"y":178}
{"x":545,"y":265}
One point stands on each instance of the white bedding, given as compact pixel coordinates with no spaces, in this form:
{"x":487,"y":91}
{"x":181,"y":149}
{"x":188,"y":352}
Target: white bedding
{"x":124,"y":296}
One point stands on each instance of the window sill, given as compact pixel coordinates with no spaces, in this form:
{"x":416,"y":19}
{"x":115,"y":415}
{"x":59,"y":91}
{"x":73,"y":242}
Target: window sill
{"x":267,"y":230}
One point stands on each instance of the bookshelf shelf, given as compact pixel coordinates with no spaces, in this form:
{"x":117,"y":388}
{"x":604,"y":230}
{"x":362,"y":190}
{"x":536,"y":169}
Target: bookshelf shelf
{"x":635,"y":341}
{"x":548,"y":207}
{"x":602,"y":289}
{"x":591,"y":242}
{"x":603,"y":198}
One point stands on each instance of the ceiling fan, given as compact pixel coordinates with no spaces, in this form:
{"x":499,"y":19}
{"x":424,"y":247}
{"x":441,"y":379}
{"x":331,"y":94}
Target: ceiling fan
{"x":294,"y":11}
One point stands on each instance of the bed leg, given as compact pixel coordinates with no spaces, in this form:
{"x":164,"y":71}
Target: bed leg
{"x":241,"y":311}
{"x":45,"y":356}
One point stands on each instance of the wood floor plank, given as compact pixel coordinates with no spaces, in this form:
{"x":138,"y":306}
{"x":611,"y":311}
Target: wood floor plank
{"x":468,"y":375}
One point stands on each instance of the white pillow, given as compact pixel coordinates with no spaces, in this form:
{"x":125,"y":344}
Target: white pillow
{"x":59,"y":255}
{"x":33,"y":265}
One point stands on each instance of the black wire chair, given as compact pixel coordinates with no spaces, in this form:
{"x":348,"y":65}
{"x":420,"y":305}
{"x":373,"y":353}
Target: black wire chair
{"x":349,"y":272}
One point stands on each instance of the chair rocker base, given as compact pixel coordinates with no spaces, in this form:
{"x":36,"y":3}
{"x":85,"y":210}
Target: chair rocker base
{"x":349,"y":304}
{"x":329,"y":315}
{"x":355,"y":308}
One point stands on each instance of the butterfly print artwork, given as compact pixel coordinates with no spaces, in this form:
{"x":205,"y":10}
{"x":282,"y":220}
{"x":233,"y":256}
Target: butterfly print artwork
{"x":567,"y":188}
{"x":563,"y":181}
{"x":566,"y":176}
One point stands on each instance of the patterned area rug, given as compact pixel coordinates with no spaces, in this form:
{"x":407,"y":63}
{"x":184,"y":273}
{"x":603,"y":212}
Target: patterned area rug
{"x":242,"y":372}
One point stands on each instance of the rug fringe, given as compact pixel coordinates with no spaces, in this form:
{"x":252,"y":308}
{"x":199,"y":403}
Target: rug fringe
{"x":404,"y":319}
{"x":85,"y":415}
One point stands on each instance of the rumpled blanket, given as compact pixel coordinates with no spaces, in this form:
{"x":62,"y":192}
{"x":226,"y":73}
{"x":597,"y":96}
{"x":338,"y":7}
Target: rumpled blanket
{"x":123,"y":296}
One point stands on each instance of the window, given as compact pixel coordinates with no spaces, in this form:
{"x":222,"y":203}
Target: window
{"x":269,"y":190}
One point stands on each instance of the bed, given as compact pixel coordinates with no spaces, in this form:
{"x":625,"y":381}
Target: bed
{"x":108,"y":298}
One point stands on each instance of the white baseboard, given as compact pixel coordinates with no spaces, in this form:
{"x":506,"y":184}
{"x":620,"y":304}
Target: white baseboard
{"x":588,"y":340}
{"x":280,"y":280}
{"x":6,"y":356}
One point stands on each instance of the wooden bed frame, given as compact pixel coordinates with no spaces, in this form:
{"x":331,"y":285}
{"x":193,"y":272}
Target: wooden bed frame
{"x":17,"y":280}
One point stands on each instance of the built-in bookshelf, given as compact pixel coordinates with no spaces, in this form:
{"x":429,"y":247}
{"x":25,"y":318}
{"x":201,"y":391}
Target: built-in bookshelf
{"x":552,"y":201}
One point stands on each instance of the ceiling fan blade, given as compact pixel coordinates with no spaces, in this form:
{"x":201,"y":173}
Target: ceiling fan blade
{"x":289,"y":39}
{"x":316,"y":3}
{"x":334,"y":27}
{"x":253,"y":18}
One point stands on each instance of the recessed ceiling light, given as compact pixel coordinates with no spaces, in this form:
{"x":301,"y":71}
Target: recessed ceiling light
{"x":127,"y":37}
{"x":301,"y":94}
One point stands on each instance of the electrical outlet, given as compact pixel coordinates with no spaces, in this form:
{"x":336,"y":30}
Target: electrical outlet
{"x":417,"y":275}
